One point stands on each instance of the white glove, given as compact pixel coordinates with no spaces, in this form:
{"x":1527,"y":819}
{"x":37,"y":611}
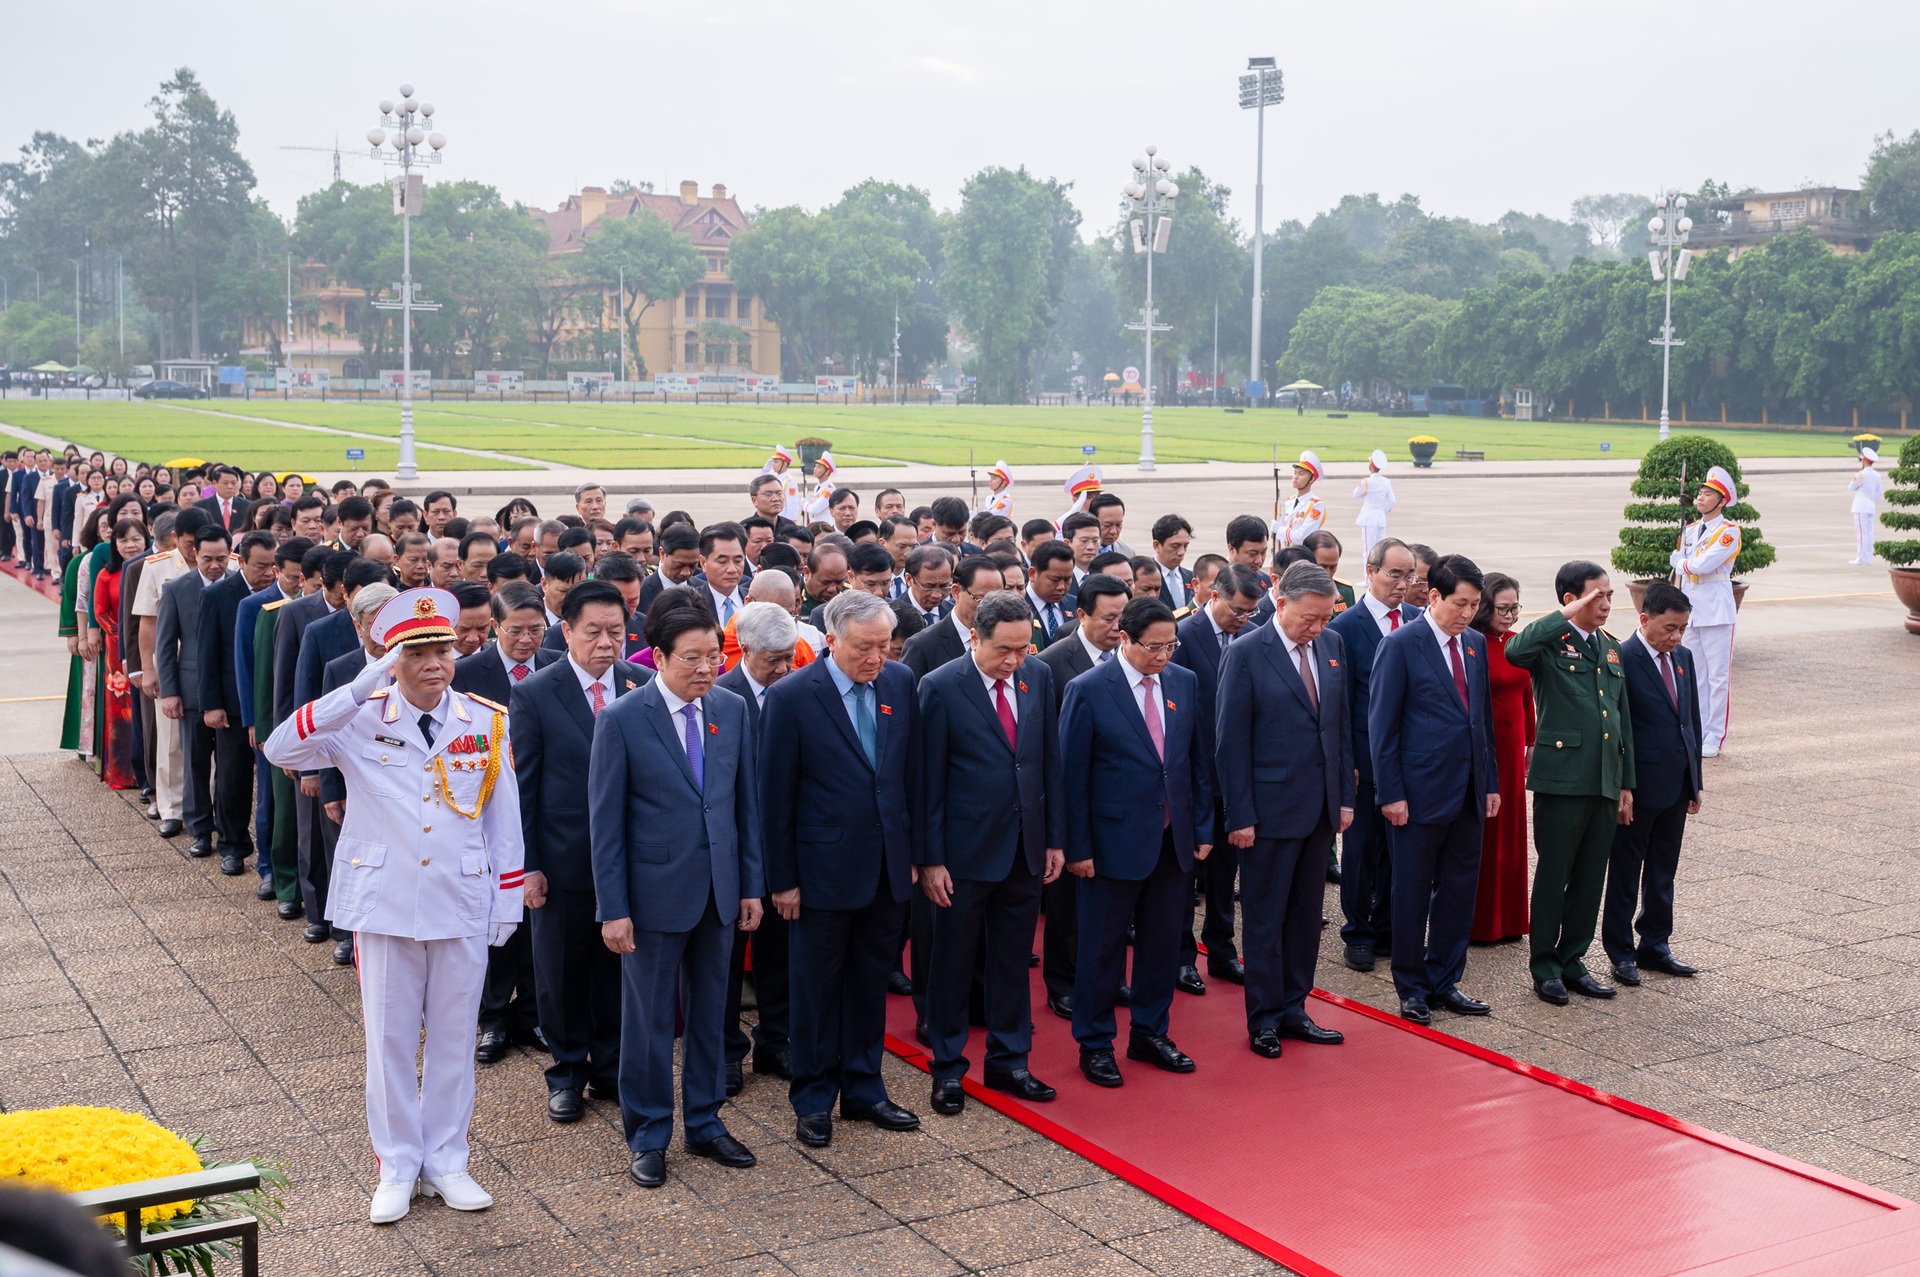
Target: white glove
{"x":1677,"y":560}
{"x":499,"y":933}
{"x":374,"y":677}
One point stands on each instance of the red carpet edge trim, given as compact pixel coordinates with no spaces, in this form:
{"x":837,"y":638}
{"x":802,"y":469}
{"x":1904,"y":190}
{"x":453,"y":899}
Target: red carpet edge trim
{"x":48,"y":587}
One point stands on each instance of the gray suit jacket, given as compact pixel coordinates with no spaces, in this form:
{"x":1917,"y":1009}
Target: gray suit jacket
{"x":176,"y":646}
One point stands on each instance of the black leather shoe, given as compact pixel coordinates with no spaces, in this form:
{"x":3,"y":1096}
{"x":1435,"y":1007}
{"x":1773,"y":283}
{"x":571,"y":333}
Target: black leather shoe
{"x":1232,"y":970}
{"x":1188,"y":980}
{"x":290,"y":910}
{"x":171,"y":828}
{"x":1021,"y":1085}
{"x":343,"y":952}
{"x":1033,"y":960}
{"x":1551,"y":991}
{"x":1124,"y":998}
{"x":231,"y":864}
{"x":774,"y":1061}
{"x":492,"y":1047}
{"x":1159,"y":1052}
{"x":264,"y":889}
{"x":532,"y":1038}
{"x":949,"y":1097}
{"x":1627,"y":973}
{"x":1098,"y":1067}
{"x":815,"y":1130}
{"x":200,"y":848}
{"x":316,"y":933}
{"x":649,"y":1169}
{"x":899,"y":985}
{"x":886,"y":1115}
{"x":1666,"y":962}
{"x":1415,"y":1011}
{"x":1333,"y":873}
{"x":1265,"y":1043}
{"x":1587,"y":987}
{"x":566,"y":1105}
{"x":1308,"y":1031}
{"x":1359,"y":957}
{"x":1061,"y":1006}
{"x":725,"y":1150}
{"x":734,"y":1080}
{"x":920,"y":1033}
{"x":1460,"y":1004}
{"x":146,"y":796}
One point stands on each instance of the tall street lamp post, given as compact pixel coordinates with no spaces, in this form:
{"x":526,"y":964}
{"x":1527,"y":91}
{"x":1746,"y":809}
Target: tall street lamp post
{"x":1150,"y":195}
{"x":1257,"y":92}
{"x":409,"y":120}
{"x":1668,"y":230}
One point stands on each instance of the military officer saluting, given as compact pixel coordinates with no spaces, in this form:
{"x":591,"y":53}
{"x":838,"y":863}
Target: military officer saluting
{"x":1581,"y":774}
{"x":427,"y":873}
{"x":1704,"y":565}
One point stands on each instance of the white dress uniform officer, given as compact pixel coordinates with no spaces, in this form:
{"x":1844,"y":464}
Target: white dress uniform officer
{"x":1375,"y":494}
{"x":1304,"y":513}
{"x":780,"y":464}
{"x":999,"y":498}
{"x":1704,"y":563}
{"x":427,"y":873}
{"x":1080,"y":487}
{"x":822,"y":491}
{"x":1867,"y":487}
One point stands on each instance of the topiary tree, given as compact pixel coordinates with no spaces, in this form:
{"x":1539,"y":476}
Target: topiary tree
{"x":1904,"y":496}
{"x":1653,"y":530}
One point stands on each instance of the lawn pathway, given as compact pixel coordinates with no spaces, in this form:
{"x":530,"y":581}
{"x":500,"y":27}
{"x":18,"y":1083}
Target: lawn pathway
{"x":533,"y":463}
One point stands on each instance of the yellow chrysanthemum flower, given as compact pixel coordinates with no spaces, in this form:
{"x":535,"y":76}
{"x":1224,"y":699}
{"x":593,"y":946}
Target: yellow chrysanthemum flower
{"x":1423,"y":439}
{"x":75,"y":1148}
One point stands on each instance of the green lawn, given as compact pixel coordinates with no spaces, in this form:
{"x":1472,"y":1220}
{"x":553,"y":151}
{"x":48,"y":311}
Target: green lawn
{"x":681,"y":436}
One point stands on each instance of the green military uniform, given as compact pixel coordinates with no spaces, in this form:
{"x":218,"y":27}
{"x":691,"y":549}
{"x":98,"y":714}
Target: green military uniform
{"x":1345,"y":591}
{"x":1582,"y":759}
{"x":284,"y":848}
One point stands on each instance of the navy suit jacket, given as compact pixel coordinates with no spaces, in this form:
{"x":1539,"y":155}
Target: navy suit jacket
{"x":326,"y":638}
{"x":971,"y":775}
{"x":1200,"y":652}
{"x":551,"y":726}
{"x":1283,"y":768}
{"x":933,"y":647}
{"x":1120,"y":794}
{"x":735,"y":681}
{"x":1428,"y":751}
{"x":1666,"y":741}
{"x":1362,"y":637}
{"x":836,"y":827}
{"x":219,"y":673}
{"x":482,"y":674}
{"x":1067,"y":661}
{"x":1166,"y":590}
{"x":295,"y":617}
{"x":340,"y":672}
{"x":662,"y":845}
{"x":210,"y":506}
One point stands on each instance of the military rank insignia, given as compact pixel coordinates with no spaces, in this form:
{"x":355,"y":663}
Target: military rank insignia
{"x":1613,"y":656}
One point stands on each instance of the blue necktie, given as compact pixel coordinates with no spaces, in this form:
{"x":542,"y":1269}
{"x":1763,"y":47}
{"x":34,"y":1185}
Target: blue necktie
{"x":694,"y":759}
{"x":726,"y":609}
{"x":863,"y":719}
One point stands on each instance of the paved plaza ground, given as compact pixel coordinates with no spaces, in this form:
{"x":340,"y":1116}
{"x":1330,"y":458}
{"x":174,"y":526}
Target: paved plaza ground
{"x":135,"y":977}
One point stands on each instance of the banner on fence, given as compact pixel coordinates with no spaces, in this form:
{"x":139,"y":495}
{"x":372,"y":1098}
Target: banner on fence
{"x":498,"y":383}
{"x":301,"y":379}
{"x":394,"y":378}
{"x":836,"y":385}
{"x":589,"y":383}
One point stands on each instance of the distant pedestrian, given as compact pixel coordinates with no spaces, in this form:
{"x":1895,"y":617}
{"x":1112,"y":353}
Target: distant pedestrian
{"x":1866,"y":487}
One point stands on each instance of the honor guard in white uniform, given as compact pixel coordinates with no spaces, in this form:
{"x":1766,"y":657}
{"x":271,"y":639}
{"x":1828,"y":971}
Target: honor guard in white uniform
{"x":822,"y":491}
{"x":1375,"y":495}
{"x":780,"y":464}
{"x":427,"y":874}
{"x":999,"y":498}
{"x":1303,"y":513}
{"x":1079,"y":487}
{"x":1867,"y":487}
{"x":1704,"y":564}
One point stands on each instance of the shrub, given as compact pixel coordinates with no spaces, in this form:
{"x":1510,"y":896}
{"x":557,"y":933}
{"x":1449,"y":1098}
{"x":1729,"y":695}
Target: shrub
{"x":1903,"y":495}
{"x":1653,"y":530}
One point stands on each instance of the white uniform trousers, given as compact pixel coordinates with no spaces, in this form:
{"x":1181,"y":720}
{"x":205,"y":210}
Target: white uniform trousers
{"x":1713,"y":649}
{"x":1369,"y":533}
{"x":169,"y":763}
{"x":1863,"y":537}
{"x":417,"y":1119}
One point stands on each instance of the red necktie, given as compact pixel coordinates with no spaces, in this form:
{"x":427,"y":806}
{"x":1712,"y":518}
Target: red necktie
{"x":1006,"y":714}
{"x":1666,"y":672}
{"x":1459,"y":672}
{"x":1306,"y":676}
{"x":1393,"y":620}
{"x":520,"y":672}
{"x":599,"y":699}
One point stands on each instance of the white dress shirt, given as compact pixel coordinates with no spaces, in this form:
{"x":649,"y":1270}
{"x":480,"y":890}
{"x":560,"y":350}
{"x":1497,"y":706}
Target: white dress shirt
{"x":966,"y":631}
{"x":587,"y":682}
{"x":1097,"y":655}
{"x":719,"y":603}
{"x":1137,"y":684}
{"x":1381,"y":613}
{"x":674,"y":706}
{"x":990,"y":682}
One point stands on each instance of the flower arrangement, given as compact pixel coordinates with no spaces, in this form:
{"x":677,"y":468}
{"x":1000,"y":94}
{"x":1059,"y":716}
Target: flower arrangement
{"x":1654,"y":521}
{"x":1860,"y":441}
{"x":1424,"y":439}
{"x":1422,"y":448}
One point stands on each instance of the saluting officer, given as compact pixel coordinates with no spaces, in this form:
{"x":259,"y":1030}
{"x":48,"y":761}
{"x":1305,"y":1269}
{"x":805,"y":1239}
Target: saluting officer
{"x":1704,"y":564}
{"x":425,"y":900}
{"x":1582,"y":774}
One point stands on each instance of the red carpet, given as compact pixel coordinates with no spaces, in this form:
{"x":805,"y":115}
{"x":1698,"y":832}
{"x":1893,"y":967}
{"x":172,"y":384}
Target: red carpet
{"x":49,"y":587}
{"x":1406,"y":1151}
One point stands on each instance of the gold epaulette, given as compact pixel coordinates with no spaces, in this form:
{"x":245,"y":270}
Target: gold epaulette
{"x":158,"y":555}
{"x":268,"y":607}
{"x":379,"y":695}
{"x":1183,"y":613}
{"x":492,"y":705}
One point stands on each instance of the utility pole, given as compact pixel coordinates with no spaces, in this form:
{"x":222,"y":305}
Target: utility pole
{"x":621,"y":316}
{"x":410,"y":119}
{"x":1257,"y":92}
{"x":896,"y":352}
{"x":1150,"y":193}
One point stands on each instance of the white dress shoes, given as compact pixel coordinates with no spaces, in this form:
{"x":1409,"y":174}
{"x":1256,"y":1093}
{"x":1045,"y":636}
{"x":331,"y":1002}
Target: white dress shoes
{"x":391,"y":1202}
{"x":457,"y":1190}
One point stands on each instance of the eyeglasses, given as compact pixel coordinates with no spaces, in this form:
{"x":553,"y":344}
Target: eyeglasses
{"x":1506,"y":609}
{"x":687,"y":661}
{"x":1161,"y":649}
{"x":1243,"y":612}
{"x":524,"y":631}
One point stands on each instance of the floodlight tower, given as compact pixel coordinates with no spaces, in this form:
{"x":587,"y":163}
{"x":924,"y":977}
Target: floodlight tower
{"x":1667,"y":230}
{"x":1258,"y":91}
{"x":1150,"y":194}
{"x":409,"y":120}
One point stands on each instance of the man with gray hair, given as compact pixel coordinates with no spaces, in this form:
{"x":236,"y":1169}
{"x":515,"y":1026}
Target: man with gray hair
{"x":342,"y":670}
{"x":1286,"y":778}
{"x":839,"y":764}
{"x":590,"y":502}
{"x":640,"y":508}
{"x":777,"y":587}
{"x":767,"y":635}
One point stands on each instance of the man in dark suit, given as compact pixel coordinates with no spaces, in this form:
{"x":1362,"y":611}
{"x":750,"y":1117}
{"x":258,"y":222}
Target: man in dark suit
{"x":219,"y":697}
{"x":177,"y":651}
{"x":930,"y":581}
{"x":839,"y":765}
{"x":767,"y":636}
{"x":1172,"y":535}
{"x":341,"y":671}
{"x":1092,"y":641}
{"x":1204,"y":638}
{"x":989,"y":738}
{"x":1663,"y":692}
{"x":1286,"y":778}
{"x":1366,"y":868}
{"x":288,"y":631}
{"x":1050,"y":592}
{"x":576,"y":977}
{"x":1430,"y":725}
{"x":679,"y":562}
{"x":1137,"y":755}
{"x":226,"y":507}
{"x":519,"y":622}
{"x":676,"y":868}
{"x":949,"y":634}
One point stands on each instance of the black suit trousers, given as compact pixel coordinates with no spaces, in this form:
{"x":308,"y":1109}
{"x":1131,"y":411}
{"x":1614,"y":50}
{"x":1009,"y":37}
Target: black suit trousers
{"x":576,"y":985}
{"x":1282,"y":886}
{"x":1436,"y":872}
{"x":1366,"y":875}
{"x":197,"y":752}
{"x":1214,"y":878}
{"x":507,"y":996}
{"x":838,"y":964}
{"x":771,"y":995}
{"x":233,"y":788}
{"x":1640,"y":872}
{"x":1060,"y":945}
{"x":1155,"y":905}
{"x":988,"y":925}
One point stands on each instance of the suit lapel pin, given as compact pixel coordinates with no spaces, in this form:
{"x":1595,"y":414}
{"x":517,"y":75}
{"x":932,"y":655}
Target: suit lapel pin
{"x":1336,"y":665}
{"x":1171,"y":708}
{"x":713,"y":729}
{"x":629,"y":683}
{"x":1023,"y":687}
{"x":886,"y":709}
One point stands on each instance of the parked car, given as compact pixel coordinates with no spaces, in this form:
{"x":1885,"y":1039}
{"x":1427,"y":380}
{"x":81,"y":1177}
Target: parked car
{"x":169,"y":390}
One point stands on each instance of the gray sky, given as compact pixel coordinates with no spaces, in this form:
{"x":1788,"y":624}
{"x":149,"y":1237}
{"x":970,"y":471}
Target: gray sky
{"x":1477,"y":106}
